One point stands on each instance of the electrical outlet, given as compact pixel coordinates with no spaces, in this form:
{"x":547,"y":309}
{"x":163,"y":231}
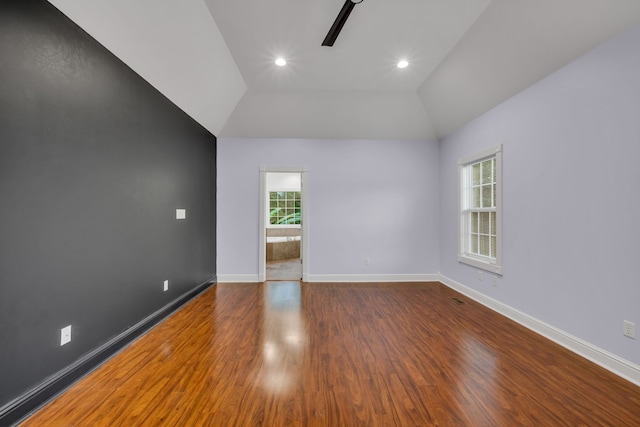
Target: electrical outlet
{"x":494,"y":280}
{"x":629,"y":329}
{"x":166,"y":285}
{"x":181,"y":214}
{"x":367,"y":261}
{"x":65,"y":335}
{"x":480,"y":275}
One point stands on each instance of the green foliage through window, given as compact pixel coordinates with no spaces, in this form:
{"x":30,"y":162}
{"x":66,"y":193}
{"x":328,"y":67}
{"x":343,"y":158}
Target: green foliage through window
{"x":284,"y":207}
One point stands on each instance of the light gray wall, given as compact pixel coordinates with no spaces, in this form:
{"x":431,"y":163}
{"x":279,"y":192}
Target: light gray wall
{"x":571,"y":205}
{"x":367,"y":198}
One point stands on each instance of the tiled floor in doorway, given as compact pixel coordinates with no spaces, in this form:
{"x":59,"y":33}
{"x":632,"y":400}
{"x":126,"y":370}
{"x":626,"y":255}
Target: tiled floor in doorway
{"x":289,"y":269}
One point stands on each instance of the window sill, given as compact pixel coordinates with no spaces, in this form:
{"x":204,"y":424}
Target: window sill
{"x":481,"y":264}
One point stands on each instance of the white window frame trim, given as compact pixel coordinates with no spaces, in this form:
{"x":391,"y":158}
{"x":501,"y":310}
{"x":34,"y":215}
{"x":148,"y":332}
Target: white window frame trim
{"x":470,"y":259}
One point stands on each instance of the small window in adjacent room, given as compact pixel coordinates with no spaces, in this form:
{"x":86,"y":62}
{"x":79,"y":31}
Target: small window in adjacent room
{"x":284,"y":207}
{"x":480,"y":229}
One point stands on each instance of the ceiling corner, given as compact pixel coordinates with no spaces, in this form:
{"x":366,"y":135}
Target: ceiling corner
{"x":512,"y":45}
{"x":175,"y":46}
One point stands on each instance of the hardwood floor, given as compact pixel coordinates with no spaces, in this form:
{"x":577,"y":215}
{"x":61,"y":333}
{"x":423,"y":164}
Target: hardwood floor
{"x":286,"y":354}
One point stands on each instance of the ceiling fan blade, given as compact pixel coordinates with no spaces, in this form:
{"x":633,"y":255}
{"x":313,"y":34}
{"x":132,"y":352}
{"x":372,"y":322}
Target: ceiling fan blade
{"x":332,"y":35}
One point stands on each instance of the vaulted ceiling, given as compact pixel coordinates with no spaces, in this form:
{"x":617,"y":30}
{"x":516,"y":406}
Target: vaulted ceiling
{"x":215,"y":58}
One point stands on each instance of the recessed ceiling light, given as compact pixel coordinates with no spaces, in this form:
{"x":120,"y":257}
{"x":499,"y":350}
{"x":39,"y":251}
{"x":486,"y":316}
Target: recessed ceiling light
{"x":281,"y":62}
{"x":403,"y":64}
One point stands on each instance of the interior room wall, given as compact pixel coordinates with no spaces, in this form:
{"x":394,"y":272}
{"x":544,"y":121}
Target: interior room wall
{"x":571,"y":148}
{"x":283,"y":181}
{"x":94,"y":163}
{"x":367,"y":198}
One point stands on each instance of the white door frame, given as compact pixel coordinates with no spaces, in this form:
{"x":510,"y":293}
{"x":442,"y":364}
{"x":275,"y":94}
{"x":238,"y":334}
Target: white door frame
{"x":304,"y":195}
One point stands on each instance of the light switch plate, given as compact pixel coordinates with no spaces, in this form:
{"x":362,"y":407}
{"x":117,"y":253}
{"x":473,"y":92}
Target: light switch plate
{"x":181,"y":214}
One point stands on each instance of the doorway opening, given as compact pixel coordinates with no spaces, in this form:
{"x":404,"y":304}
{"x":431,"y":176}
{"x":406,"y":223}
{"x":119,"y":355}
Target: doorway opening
{"x":283,"y":225}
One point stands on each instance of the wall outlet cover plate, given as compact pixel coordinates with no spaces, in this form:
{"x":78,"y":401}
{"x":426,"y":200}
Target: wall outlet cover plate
{"x":65,"y":335}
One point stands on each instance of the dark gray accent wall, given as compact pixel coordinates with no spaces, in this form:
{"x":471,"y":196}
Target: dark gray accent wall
{"x":93,"y":164}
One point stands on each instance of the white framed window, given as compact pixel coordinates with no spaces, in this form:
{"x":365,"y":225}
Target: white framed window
{"x":480,"y":224}
{"x":284,"y":208}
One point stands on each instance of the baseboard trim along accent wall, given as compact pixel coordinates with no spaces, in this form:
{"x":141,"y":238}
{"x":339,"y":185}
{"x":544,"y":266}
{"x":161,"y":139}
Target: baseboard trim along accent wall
{"x":619,"y":366}
{"x":24,"y":405}
{"x":373,"y":278}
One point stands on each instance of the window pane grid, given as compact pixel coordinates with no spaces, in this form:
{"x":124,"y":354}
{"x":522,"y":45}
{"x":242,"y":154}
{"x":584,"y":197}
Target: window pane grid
{"x":481,"y":208}
{"x":483,"y":184}
{"x":482,"y":234}
{"x":284,"y":207}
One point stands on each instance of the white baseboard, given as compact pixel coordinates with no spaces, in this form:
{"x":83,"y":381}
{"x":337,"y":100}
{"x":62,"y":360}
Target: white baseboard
{"x":373,"y":278}
{"x":339,"y":278}
{"x":619,"y":366}
{"x":237,"y":278}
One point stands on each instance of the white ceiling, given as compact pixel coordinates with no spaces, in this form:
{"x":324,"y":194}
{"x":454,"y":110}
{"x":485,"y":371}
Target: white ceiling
{"x":376,"y":36}
{"x":214,"y":58}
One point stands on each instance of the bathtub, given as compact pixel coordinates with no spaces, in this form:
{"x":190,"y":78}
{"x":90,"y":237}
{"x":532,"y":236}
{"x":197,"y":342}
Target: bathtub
{"x":282,"y":247}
